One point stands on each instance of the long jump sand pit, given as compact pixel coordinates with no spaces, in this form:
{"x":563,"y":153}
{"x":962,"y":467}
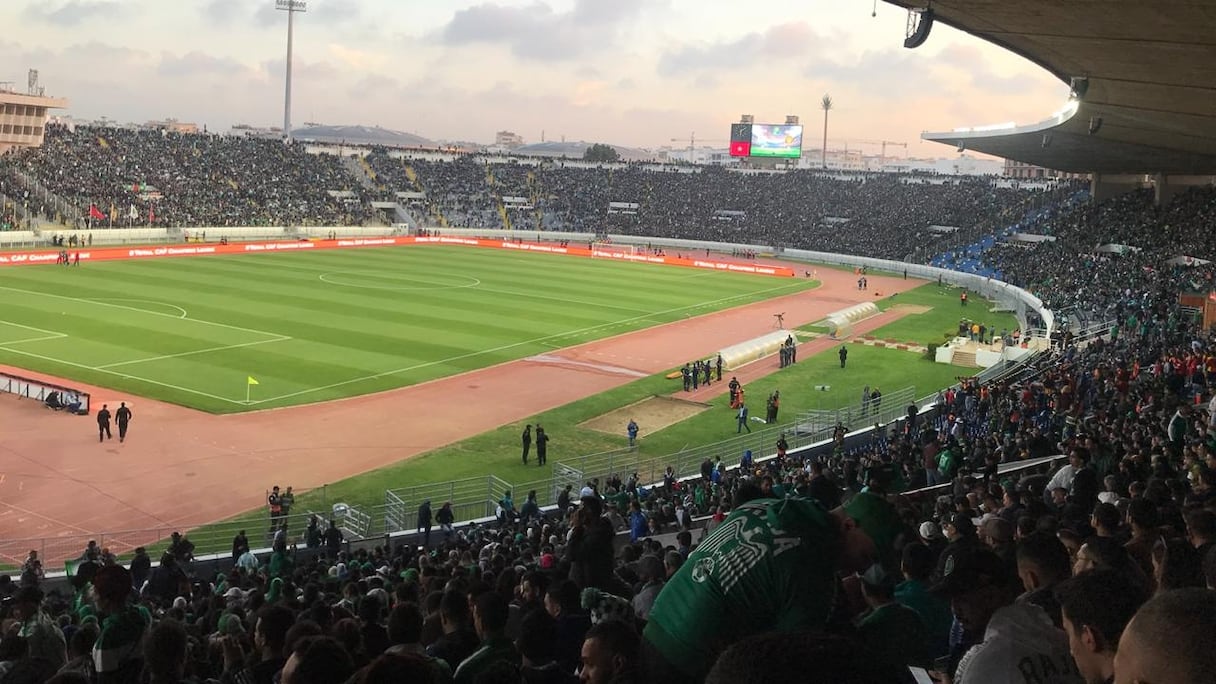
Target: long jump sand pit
{"x":911,"y":309}
{"x":651,"y":414}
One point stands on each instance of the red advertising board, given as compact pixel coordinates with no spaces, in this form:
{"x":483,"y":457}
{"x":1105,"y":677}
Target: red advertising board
{"x":35,"y":257}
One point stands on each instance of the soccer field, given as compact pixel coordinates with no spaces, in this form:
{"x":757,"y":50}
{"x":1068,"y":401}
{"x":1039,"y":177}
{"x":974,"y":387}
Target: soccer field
{"x":326,"y":325}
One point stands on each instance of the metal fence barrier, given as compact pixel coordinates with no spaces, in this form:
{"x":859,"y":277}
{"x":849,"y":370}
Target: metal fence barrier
{"x":27,"y":388}
{"x":471,"y":498}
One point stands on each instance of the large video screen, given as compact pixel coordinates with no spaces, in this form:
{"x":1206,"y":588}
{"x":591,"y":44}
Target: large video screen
{"x":773,"y":140}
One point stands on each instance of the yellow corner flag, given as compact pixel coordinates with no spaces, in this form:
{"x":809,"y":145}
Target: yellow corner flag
{"x":252,"y":381}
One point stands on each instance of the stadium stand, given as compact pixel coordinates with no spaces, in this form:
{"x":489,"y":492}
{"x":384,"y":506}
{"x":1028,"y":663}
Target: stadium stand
{"x":183,"y":180}
{"x":208,"y":180}
{"x":930,"y":515}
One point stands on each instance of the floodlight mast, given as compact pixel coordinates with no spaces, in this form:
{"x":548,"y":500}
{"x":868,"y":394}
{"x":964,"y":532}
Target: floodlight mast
{"x":291,"y":7}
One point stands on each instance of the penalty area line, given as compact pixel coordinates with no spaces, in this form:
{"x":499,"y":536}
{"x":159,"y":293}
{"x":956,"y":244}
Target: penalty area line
{"x":280,"y":338}
{"x":136,"y":378}
{"x":45,"y":336}
{"x":175,"y":317}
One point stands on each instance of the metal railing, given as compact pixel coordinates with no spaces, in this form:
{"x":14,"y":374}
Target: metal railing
{"x":209,"y":538}
{"x":471,"y":498}
{"x":891,"y":406}
{"x":213,"y":538}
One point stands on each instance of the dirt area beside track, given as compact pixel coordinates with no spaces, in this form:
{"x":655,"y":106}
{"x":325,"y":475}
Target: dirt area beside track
{"x":652,"y":414}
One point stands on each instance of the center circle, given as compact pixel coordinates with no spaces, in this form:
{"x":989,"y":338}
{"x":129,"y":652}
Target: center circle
{"x":400,"y":282}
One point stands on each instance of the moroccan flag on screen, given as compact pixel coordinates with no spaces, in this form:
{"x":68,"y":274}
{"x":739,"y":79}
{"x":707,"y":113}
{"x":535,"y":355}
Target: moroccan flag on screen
{"x":740,"y":148}
{"x":95,"y":213}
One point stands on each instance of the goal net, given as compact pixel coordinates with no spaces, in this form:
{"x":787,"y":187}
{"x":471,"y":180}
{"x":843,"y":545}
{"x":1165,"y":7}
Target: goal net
{"x":608,"y":249}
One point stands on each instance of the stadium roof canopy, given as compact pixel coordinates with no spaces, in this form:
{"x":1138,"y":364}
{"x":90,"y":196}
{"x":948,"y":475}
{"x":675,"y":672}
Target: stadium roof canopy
{"x":359,"y":135}
{"x":1149,"y":101}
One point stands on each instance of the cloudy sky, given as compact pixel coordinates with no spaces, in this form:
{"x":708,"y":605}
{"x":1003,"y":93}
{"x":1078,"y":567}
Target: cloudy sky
{"x":630,"y":72}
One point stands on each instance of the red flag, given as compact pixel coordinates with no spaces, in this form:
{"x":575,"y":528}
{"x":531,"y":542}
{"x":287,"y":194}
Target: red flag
{"x":151,"y":215}
{"x":95,"y":213}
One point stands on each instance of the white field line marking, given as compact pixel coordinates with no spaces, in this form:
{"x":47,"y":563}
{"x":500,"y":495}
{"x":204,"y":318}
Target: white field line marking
{"x":125,"y":375}
{"x":537,"y":340}
{"x":602,"y":305}
{"x":184,"y":314}
{"x":473,"y":282}
{"x":48,"y":338}
{"x":142,"y":311}
{"x":50,"y":334}
{"x":279,"y":338}
{"x":478,"y":285}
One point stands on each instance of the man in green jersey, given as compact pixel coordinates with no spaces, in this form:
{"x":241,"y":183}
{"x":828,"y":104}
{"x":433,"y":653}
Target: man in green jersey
{"x":770,"y":566}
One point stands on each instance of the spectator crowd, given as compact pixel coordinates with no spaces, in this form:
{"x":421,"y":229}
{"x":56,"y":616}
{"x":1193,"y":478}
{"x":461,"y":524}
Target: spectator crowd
{"x":859,"y":563}
{"x":152,"y":177}
{"x":159,"y":178}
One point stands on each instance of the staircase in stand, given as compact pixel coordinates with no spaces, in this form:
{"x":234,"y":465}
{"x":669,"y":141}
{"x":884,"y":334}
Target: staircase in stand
{"x":492,"y":183}
{"x":362,"y":172}
{"x":964,"y":358}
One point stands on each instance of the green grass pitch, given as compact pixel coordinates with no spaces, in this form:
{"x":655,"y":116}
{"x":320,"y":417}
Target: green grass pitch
{"x":326,"y":325}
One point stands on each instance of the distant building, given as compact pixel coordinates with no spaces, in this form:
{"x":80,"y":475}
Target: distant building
{"x":962,"y":165}
{"x":245,"y":130}
{"x":1017,"y":169}
{"x":173,"y":126}
{"x":836,"y":160}
{"x":23,"y":118}
{"x":709,"y":156}
{"x":508,"y":140}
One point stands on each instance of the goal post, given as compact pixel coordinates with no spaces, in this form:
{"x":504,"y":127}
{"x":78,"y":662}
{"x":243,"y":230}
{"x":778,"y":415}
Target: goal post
{"x":605,"y":248}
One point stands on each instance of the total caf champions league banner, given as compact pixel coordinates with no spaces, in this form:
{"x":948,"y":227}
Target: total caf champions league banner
{"x":53,"y":256}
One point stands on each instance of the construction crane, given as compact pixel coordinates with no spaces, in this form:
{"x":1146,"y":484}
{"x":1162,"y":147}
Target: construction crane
{"x":692,"y":145}
{"x":882,"y":143}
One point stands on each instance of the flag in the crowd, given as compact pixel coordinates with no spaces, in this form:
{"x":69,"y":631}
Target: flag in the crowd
{"x":112,"y":212}
{"x":132,"y":213}
{"x":69,"y":567}
{"x":252,"y":381}
{"x":138,"y":187}
{"x":95,"y":213}
{"x":151,"y":215}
